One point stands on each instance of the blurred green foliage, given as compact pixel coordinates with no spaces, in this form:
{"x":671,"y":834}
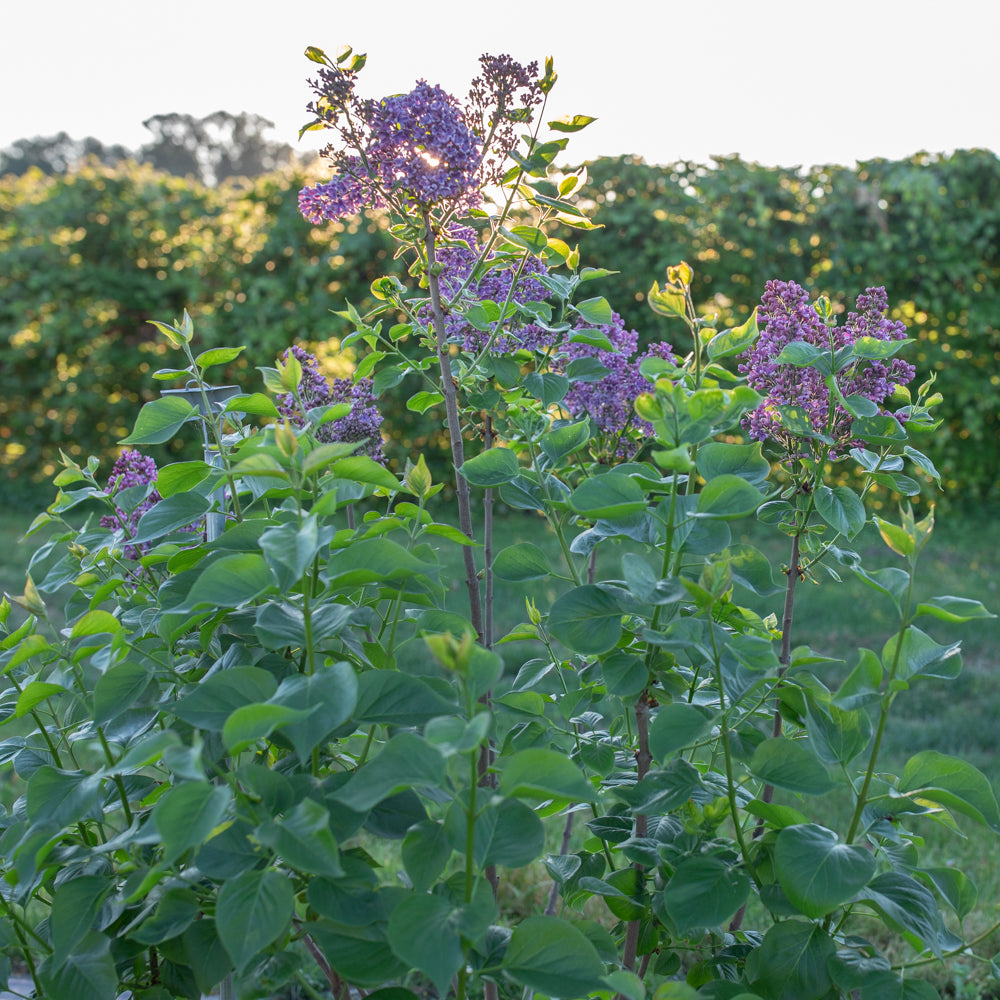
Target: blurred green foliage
{"x":87,"y":256}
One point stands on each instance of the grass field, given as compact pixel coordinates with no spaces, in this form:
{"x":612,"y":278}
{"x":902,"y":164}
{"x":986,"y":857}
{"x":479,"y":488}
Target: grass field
{"x":960,"y":718}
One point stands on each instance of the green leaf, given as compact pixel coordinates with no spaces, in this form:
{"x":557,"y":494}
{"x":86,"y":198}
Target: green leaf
{"x":218,"y":696}
{"x":906,"y":906}
{"x":75,"y":906}
{"x":550,"y":955}
{"x":422,"y":401}
{"x":791,"y":765}
{"x":528,"y":237}
{"x":326,"y":454}
{"x":508,"y":833}
{"x":290,"y":549}
{"x":734,"y":341}
{"x":883,"y":429}
{"x":218,"y":356}
{"x":718,"y":458}
{"x":816,"y":872}
{"x":302,"y":837}
{"x":841,"y":508}
{"x":674,"y":727}
{"x":362,"y":469}
{"x":540,"y":773}
{"x":118,"y":689}
{"x":793,"y":962}
{"x":953,"y":783}
{"x":425,"y":852}
{"x":206,"y":955}
{"x":492,"y":468}
{"x":956,"y":887}
{"x":953,"y":609}
{"x":253,"y":909}
{"x":549,"y":387}
{"x":186,"y":815}
{"x":33,"y":694}
{"x":610,"y":495}
{"x":838,"y":734}
{"x":406,"y":761}
{"x":751,"y":568}
{"x":255,"y":403}
{"x":798,"y":421}
{"x":920,"y":656}
{"x":254,"y":722}
{"x":596,"y":311}
{"x":573,"y":124}
{"x":877,"y":350}
{"x":728,"y":497}
{"x":328,"y":696}
{"x":563,"y":441}
{"x":663,"y":790}
{"x":181,"y":477}
{"x":160,"y":420}
{"x":422,"y":933}
{"x":861,"y":687}
{"x":175,"y":911}
{"x":520,"y":562}
{"x":87,"y":974}
{"x":229,"y":582}
{"x":704,"y":891}
{"x":172,"y":513}
{"x":398,"y":699}
{"x":804,"y":355}
{"x":586,"y":620}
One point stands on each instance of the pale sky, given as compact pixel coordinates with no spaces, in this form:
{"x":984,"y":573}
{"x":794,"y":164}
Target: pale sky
{"x":783,"y":82}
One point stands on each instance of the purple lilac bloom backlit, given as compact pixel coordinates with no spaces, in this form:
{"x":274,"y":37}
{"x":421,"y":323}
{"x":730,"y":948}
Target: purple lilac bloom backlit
{"x":131,"y":469}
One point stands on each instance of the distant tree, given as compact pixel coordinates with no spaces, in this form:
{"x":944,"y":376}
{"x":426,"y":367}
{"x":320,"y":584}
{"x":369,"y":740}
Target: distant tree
{"x":213,"y":148}
{"x":55,"y":154}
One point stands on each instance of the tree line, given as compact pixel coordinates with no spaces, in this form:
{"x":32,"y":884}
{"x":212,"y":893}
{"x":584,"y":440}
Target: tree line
{"x":91,"y":251}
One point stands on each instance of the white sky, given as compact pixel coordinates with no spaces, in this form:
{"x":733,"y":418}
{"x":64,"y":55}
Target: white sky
{"x":778,"y":81}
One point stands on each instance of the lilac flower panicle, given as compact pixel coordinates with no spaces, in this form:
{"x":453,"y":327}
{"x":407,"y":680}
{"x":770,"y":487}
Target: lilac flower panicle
{"x":415,"y":147}
{"x":458,"y":255}
{"x":132,"y":468}
{"x":786,"y":316}
{"x":610,"y":401}
{"x":501,"y":102}
{"x":362,"y":424}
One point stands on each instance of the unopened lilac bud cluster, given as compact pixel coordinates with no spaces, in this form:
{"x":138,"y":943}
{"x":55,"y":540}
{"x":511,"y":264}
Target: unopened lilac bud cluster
{"x":421,"y":149}
{"x":786,"y":316}
{"x":131,"y":469}
{"x":458,"y":256}
{"x":362,"y":424}
{"x":610,"y":400}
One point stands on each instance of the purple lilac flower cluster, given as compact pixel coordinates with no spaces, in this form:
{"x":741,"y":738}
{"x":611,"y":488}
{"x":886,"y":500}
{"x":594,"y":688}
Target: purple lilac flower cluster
{"x":458,"y":255}
{"x":420,"y":149}
{"x":610,"y":401}
{"x":131,"y":469}
{"x":786,"y":316}
{"x":363,"y":423}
